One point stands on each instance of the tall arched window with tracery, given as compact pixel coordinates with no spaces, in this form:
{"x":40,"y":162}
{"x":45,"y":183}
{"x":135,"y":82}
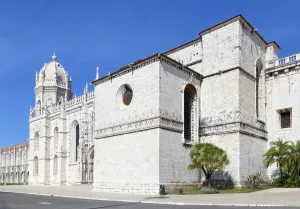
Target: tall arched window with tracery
{"x":55,"y":137}
{"x":55,"y":165}
{"x":259,"y":67}
{"x":36,"y":165}
{"x":36,"y":141}
{"x":190,"y":112}
{"x":77,"y":142}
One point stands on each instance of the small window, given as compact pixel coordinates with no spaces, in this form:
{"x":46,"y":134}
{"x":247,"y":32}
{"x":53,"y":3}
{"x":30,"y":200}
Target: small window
{"x":36,"y":141}
{"x":36,"y":165}
{"x":292,"y":59}
{"x":282,"y":61}
{"x":285,"y":118}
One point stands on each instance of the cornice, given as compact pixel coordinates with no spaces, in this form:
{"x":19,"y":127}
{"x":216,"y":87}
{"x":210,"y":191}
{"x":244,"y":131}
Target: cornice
{"x":136,"y":123}
{"x":233,"y":122}
{"x":228,"y":70}
{"x":282,"y":70}
{"x":141,"y":63}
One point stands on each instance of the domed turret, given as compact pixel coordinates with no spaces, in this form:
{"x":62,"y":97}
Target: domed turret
{"x":52,"y":74}
{"x":52,"y":83}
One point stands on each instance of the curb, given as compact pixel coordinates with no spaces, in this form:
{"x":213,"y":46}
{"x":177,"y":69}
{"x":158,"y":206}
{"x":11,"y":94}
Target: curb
{"x":152,"y":202}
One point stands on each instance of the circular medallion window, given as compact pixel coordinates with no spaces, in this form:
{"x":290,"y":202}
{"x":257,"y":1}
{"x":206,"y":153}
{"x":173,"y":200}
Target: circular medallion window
{"x":125,"y":94}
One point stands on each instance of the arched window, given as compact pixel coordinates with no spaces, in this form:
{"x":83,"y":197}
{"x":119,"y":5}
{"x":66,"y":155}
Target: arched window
{"x":189,"y":112}
{"x":259,"y":67}
{"x":36,"y":165}
{"x":55,"y":165}
{"x":77,"y":141}
{"x":21,"y":157}
{"x":38,"y":109}
{"x":36,"y":141}
{"x":55,"y":138}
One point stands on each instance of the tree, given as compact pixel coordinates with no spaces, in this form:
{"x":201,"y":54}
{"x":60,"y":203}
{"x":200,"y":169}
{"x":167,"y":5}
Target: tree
{"x":278,"y":153}
{"x":295,"y":156}
{"x":209,"y":158}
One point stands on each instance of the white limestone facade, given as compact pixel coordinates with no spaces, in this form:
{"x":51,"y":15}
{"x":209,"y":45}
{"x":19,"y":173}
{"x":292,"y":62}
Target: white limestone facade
{"x":135,"y":131}
{"x":14,"y":164}
{"x":61,"y":130}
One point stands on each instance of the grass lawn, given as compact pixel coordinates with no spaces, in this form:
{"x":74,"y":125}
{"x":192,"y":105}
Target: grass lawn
{"x":221,"y":191}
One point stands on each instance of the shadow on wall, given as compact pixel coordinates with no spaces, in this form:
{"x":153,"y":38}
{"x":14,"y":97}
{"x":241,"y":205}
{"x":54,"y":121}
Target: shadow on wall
{"x":222,"y":180}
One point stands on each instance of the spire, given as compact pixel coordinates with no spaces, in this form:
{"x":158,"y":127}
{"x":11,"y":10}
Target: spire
{"x":36,"y":77}
{"x":70,"y":78}
{"x":54,"y":57}
{"x":86,"y":88}
{"x":30,"y":112}
{"x":97,"y":72}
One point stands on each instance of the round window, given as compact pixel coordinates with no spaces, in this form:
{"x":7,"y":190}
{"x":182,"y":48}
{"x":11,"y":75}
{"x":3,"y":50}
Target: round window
{"x":127,"y":95}
{"x":124,"y":95}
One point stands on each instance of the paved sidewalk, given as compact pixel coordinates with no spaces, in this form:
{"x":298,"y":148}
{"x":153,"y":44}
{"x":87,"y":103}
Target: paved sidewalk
{"x":271,"y":197}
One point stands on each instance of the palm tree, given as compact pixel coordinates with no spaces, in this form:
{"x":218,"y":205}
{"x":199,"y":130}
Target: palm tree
{"x":278,"y":153}
{"x":295,"y":156}
{"x":209,"y":158}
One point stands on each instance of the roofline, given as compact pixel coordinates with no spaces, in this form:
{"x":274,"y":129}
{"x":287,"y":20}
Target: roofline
{"x":232,"y":19}
{"x":275,"y":43}
{"x":177,"y":47}
{"x":124,"y":68}
{"x":12,"y":147}
{"x":157,"y":55}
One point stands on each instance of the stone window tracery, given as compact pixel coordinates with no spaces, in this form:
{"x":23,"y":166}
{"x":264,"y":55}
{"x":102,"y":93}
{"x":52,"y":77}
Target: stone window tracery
{"x":77,"y":142}
{"x":259,"y":67}
{"x":190,"y":100}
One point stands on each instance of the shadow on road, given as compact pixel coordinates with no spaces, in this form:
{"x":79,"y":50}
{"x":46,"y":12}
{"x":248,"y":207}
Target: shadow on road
{"x":158,"y":197}
{"x":111,"y":206}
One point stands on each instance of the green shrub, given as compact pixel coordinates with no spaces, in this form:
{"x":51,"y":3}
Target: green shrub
{"x":254,"y":180}
{"x":288,"y":181}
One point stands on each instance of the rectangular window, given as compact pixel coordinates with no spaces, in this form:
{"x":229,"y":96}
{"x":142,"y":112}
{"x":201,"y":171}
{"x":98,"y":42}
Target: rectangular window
{"x":285,"y":118}
{"x":292,"y":59}
{"x":282,"y":61}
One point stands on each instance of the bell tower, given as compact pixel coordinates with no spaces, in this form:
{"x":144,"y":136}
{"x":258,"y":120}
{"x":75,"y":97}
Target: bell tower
{"x":52,"y":85}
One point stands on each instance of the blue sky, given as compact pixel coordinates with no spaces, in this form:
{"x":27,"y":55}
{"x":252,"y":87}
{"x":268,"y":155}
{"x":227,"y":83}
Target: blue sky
{"x":111,"y":34}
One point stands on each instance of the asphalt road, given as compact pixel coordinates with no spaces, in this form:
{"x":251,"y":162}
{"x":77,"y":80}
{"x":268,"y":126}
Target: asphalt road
{"x":26,"y":201}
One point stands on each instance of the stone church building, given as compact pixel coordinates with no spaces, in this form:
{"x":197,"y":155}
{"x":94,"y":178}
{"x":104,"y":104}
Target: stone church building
{"x":134,"y":132}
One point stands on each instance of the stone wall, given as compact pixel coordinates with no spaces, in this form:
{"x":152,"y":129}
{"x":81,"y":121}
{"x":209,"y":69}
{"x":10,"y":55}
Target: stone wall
{"x":128,"y":163}
{"x":282,"y":93}
{"x":14,"y":164}
{"x":174,"y":159}
{"x":189,"y":54}
{"x":220,"y":49}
